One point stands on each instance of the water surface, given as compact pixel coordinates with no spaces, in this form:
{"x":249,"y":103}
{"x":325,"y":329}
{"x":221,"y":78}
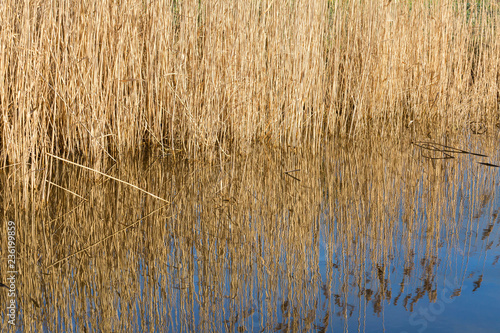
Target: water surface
{"x":362,"y":238}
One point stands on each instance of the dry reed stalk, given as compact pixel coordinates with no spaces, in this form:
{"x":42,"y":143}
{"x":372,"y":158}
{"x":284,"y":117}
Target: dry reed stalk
{"x":108,"y":176}
{"x":106,"y":238}
{"x":65,"y":189}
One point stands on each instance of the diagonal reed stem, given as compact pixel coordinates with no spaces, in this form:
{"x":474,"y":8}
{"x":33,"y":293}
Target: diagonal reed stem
{"x":111,"y":177}
{"x":105,"y":238}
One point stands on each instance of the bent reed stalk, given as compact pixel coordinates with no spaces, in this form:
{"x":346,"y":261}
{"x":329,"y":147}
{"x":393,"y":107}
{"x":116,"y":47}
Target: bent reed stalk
{"x":98,"y":78}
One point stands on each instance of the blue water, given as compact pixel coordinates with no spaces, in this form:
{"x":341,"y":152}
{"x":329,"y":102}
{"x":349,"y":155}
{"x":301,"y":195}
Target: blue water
{"x":445,"y":278}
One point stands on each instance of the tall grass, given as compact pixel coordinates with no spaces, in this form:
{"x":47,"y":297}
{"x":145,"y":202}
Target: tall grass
{"x":97,"y":78}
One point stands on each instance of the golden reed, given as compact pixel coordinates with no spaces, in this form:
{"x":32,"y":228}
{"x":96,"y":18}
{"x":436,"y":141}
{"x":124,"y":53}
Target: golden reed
{"x":97,"y":78}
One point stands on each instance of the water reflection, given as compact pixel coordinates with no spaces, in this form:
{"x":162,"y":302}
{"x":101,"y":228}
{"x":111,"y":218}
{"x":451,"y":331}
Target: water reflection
{"x":356,"y":239}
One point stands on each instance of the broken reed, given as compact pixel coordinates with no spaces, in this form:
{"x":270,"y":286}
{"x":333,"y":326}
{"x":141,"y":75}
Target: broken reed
{"x":97,"y":78}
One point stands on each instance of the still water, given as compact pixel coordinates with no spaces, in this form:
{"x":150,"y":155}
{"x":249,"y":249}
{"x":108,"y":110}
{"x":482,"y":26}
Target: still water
{"x":372,"y":238}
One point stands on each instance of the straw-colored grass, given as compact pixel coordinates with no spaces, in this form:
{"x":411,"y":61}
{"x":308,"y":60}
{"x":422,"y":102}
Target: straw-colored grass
{"x":101,"y":77}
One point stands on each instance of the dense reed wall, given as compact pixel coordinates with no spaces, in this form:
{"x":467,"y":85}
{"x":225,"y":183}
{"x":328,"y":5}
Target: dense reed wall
{"x":100,"y":77}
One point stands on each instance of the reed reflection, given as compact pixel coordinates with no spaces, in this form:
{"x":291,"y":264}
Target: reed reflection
{"x":273,"y":241}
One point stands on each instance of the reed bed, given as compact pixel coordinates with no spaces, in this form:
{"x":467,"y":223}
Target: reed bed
{"x":98,"y":78}
{"x":228,"y":85}
{"x":244,"y":246}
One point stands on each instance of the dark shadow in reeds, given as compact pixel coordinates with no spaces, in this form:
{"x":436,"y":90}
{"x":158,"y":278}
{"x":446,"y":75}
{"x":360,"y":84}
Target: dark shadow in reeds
{"x":489,"y":164}
{"x":447,"y":152}
{"x":288,"y":173}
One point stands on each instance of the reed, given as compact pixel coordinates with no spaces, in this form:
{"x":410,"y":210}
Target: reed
{"x":91,"y":81}
{"x":98,"y":78}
